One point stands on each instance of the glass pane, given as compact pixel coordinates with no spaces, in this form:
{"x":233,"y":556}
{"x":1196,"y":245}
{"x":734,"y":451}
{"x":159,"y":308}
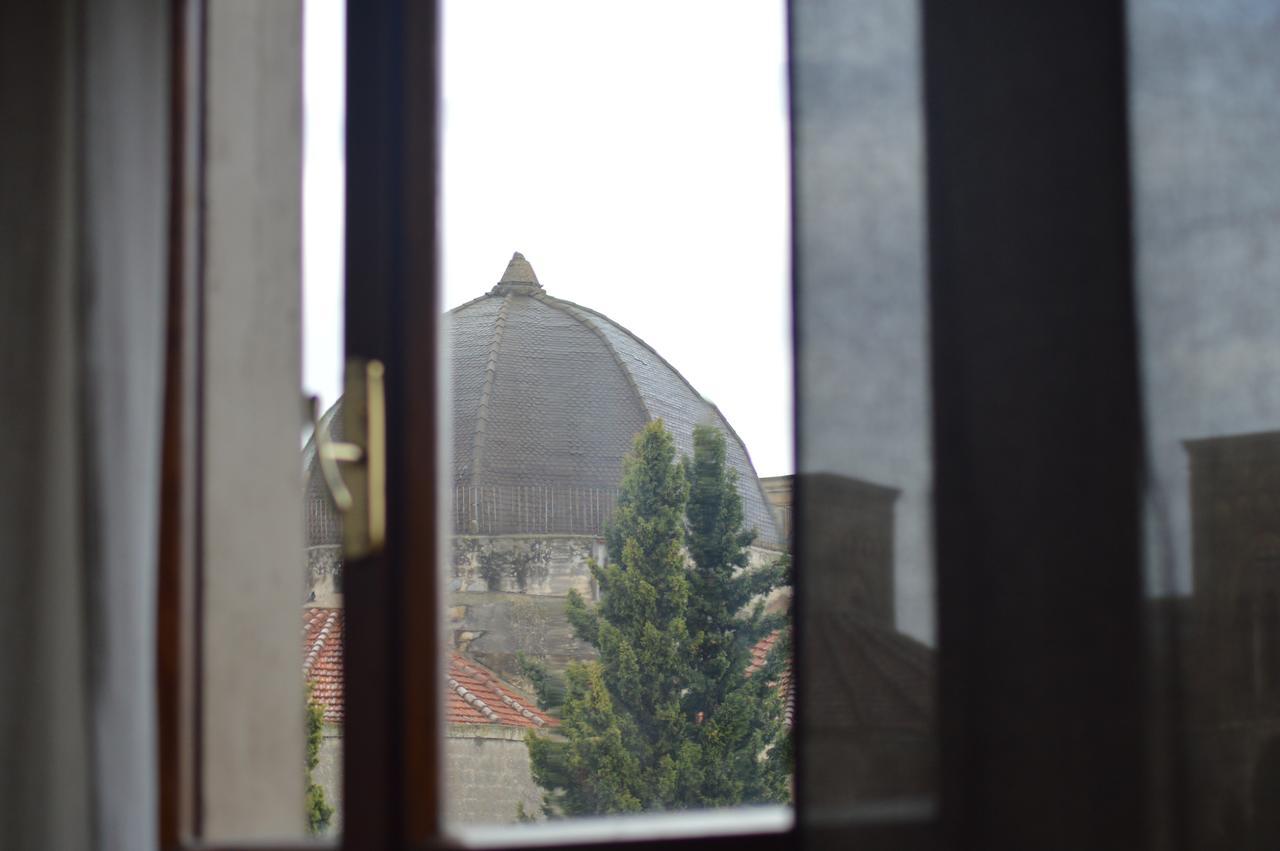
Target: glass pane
{"x":616,"y":645}
{"x":1206,"y":141}
{"x":863,"y":410}
{"x":324,"y":113}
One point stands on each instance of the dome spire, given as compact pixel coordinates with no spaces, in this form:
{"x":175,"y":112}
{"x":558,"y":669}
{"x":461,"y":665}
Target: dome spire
{"x":519,"y":278}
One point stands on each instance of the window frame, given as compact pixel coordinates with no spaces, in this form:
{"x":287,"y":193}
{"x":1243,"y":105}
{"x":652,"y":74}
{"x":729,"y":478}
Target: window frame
{"x":1037,"y":428}
{"x":1030,"y":247}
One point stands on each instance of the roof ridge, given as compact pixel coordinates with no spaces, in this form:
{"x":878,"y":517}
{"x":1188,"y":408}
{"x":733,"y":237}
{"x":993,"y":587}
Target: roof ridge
{"x":482,"y":412}
{"x":724,"y":421}
{"x":506,"y":692}
{"x":577,"y":312}
{"x":473,"y":700}
{"x":465,"y":304}
{"x":472,"y":664}
{"x":321,"y":639}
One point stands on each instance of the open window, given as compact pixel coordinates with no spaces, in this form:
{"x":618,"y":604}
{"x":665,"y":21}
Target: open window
{"x":973,"y":394}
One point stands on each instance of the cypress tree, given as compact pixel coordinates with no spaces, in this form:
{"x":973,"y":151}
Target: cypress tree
{"x":666,"y":718}
{"x":741,"y":716}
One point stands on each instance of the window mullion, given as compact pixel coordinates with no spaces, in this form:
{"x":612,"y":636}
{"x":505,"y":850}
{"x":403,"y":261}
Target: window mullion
{"x":1036,"y":424}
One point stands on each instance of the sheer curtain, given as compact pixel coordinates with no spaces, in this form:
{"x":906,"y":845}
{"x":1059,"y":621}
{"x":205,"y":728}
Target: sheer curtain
{"x":83,"y":155}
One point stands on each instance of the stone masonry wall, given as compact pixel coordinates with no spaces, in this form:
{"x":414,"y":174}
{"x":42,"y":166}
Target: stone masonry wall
{"x":328,"y":774}
{"x":507,"y":597}
{"x":487,"y":775}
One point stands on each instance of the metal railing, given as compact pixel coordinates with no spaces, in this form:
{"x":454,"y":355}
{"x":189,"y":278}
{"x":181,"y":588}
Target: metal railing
{"x":531,"y":509}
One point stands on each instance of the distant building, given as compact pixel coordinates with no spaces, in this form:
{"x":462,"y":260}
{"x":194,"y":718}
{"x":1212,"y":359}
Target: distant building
{"x":486,"y":720}
{"x":1221,"y":652}
{"x":779,"y":491}
{"x":867,"y":689}
{"x":547,"y":398}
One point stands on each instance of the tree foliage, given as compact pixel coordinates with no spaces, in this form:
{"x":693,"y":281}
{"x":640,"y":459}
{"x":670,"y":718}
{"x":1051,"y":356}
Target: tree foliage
{"x":667,"y":718}
{"x":319,"y":811}
{"x":549,"y":690}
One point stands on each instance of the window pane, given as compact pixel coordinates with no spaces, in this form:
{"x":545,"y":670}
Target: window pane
{"x":323,"y":316}
{"x":649,"y":200}
{"x":865,"y":471}
{"x":1206,"y":141}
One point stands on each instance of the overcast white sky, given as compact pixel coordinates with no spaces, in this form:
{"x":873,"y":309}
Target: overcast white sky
{"x":635,"y":153}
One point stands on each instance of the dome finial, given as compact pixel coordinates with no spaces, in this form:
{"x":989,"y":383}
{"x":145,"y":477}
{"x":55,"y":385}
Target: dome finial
{"x":519,"y":277}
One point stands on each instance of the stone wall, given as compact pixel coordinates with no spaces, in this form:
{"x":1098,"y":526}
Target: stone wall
{"x":487,"y":775}
{"x":507,"y":597}
{"x":543,"y":565}
{"x":324,"y":575}
{"x":486,"y":769}
{"x":328,"y":774}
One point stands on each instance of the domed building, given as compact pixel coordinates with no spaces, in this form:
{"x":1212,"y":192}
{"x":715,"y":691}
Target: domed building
{"x":547,"y":397}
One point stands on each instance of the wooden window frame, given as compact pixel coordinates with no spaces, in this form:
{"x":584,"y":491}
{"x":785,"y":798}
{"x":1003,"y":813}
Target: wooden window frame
{"x":1033,"y":338}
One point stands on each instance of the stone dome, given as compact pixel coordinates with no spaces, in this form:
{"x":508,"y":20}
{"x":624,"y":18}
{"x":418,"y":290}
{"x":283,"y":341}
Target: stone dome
{"x":547,"y":398}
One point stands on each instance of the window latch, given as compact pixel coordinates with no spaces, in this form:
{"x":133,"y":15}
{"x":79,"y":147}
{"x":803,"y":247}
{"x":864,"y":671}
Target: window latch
{"x":358,"y":491}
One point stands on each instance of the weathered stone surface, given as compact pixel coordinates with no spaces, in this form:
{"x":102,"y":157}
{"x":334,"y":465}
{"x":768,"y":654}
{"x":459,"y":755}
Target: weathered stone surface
{"x":328,"y":774}
{"x":544,"y":565}
{"x":324,"y":575}
{"x":486,"y":769}
{"x":487,"y":775}
{"x":497,"y":626}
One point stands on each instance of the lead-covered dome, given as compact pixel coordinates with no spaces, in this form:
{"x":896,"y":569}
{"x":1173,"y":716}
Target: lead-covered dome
{"x":547,"y":399}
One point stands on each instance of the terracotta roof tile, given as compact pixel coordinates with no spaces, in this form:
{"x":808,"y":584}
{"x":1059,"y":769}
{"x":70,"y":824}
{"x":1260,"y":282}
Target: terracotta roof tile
{"x":473,"y":693}
{"x":786,"y":686}
{"x":322,"y":659}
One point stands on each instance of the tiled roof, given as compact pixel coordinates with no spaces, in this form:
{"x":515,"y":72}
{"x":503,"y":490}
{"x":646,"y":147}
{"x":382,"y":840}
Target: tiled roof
{"x":322,"y":659}
{"x":760,"y":652}
{"x":473,"y":693}
{"x":786,"y":684}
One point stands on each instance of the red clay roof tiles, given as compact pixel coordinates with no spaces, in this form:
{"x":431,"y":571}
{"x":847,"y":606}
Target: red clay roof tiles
{"x":759,"y":656}
{"x":322,"y":659}
{"x":473,"y":693}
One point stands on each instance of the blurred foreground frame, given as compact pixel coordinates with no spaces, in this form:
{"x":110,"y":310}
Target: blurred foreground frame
{"x":1032,"y":335}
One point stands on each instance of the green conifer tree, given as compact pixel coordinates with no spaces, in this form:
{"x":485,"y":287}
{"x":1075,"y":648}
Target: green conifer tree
{"x":642,"y":727}
{"x":319,"y":811}
{"x":742,"y":716}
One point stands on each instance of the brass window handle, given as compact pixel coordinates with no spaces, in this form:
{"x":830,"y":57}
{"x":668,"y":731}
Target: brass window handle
{"x":376,"y":446}
{"x":330,"y":453}
{"x":363,"y":502}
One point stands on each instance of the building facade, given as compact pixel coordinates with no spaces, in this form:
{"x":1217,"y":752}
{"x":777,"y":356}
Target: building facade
{"x":547,"y":397}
